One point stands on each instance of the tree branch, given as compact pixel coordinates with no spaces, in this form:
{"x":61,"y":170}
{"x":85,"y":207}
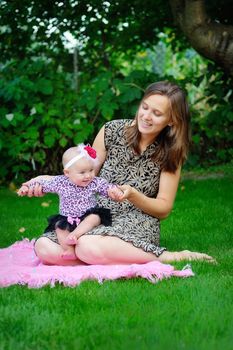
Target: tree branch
{"x":211,"y":39}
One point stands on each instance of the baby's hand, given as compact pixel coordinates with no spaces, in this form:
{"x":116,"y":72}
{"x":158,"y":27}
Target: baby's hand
{"x":115,"y":193}
{"x":23,"y":191}
{"x":126,"y":193}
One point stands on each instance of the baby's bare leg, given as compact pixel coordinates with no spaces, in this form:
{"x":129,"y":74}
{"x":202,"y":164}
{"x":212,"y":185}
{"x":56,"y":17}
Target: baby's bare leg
{"x":68,"y":252}
{"x":86,"y":225}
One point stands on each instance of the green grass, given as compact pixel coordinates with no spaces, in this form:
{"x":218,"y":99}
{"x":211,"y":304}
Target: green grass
{"x":193,"y":313}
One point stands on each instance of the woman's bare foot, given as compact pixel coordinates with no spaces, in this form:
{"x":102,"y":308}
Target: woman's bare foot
{"x":187,"y":255}
{"x":166,"y":257}
{"x":71,"y":239}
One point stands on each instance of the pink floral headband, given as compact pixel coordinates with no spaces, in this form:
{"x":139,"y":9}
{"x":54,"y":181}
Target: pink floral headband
{"x":84,"y":152}
{"x":91,"y":151}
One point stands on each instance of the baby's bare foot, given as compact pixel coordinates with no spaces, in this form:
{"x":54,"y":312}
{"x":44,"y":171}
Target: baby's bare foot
{"x":71,"y":240}
{"x":67,"y":255}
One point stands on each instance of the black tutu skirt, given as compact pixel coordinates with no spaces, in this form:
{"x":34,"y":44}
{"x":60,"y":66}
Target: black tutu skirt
{"x":60,"y":221}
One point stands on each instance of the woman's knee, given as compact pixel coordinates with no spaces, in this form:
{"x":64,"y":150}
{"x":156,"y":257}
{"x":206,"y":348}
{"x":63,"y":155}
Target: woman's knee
{"x":90,"y":250}
{"x":41,"y":248}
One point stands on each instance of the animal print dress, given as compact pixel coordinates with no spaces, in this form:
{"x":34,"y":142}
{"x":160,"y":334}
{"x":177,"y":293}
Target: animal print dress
{"x":123,"y":167}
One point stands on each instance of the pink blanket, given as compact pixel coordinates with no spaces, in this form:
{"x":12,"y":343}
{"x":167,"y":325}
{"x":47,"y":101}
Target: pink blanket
{"x":20,"y":265}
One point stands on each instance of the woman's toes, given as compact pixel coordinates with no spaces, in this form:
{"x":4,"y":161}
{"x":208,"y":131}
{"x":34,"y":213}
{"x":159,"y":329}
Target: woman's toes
{"x":187,"y":255}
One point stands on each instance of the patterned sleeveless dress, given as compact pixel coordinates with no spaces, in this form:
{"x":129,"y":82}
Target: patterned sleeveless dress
{"x":122,"y":166}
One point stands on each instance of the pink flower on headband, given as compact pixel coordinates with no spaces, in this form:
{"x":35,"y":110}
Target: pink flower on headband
{"x":90,"y":151}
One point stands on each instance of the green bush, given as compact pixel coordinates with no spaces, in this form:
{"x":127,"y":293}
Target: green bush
{"x":41,"y":114}
{"x":212,"y":122}
{"x":38,"y":118}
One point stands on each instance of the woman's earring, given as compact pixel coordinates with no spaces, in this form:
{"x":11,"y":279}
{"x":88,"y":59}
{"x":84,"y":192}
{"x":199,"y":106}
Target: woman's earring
{"x":171,"y":129}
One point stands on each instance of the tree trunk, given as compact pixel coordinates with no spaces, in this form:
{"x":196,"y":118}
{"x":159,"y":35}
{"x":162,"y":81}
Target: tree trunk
{"x":211,"y":39}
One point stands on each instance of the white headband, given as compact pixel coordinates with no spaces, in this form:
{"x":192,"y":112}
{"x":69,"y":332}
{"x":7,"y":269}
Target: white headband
{"x":73,"y":160}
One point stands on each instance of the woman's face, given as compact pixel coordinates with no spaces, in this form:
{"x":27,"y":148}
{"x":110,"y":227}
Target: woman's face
{"x":153,"y":115}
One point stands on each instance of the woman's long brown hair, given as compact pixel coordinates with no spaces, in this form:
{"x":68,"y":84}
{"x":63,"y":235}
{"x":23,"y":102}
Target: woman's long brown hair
{"x":173,"y":141}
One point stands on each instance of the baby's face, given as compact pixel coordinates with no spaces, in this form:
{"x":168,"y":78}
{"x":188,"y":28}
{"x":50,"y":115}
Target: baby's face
{"x":81,"y":173}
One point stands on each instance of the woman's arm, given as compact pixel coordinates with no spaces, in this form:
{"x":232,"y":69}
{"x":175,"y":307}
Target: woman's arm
{"x":99,"y":146}
{"x":160,"y":206}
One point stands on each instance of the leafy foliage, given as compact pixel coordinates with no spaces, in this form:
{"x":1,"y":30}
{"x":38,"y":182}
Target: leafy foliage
{"x":213,"y":122}
{"x":38,"y":117}
{"x":41,"y":115}
{"x":98,"y":26}
{"x":48,"y":102}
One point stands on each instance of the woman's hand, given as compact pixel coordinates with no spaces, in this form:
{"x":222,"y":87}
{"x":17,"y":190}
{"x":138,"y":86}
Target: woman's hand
{"x":120,"y":193}
{"x":115,"y":193}
{"x":23,"y":190}
{"x":30,"y":190}
{"x":36,"y":189}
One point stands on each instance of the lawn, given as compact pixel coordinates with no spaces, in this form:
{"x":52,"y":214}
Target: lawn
{"x":192,"y":313}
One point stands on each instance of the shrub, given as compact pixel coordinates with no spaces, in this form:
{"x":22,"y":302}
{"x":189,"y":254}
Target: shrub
{"x":38,"y":118}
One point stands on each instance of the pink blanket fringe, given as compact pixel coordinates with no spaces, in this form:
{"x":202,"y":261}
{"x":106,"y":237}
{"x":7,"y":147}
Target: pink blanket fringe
{"x":20,"y":265}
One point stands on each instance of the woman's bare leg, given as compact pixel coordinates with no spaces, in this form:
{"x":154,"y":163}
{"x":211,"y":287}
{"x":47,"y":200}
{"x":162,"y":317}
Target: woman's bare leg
{"x":50,"y":253}
{"x":112,"y":250}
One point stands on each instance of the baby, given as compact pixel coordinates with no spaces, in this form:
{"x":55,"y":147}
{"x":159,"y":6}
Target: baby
{"x":77,"y":190}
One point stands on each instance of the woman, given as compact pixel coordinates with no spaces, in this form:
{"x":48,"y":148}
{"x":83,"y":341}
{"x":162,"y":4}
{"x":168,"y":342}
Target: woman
{"x":144,"y":157}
